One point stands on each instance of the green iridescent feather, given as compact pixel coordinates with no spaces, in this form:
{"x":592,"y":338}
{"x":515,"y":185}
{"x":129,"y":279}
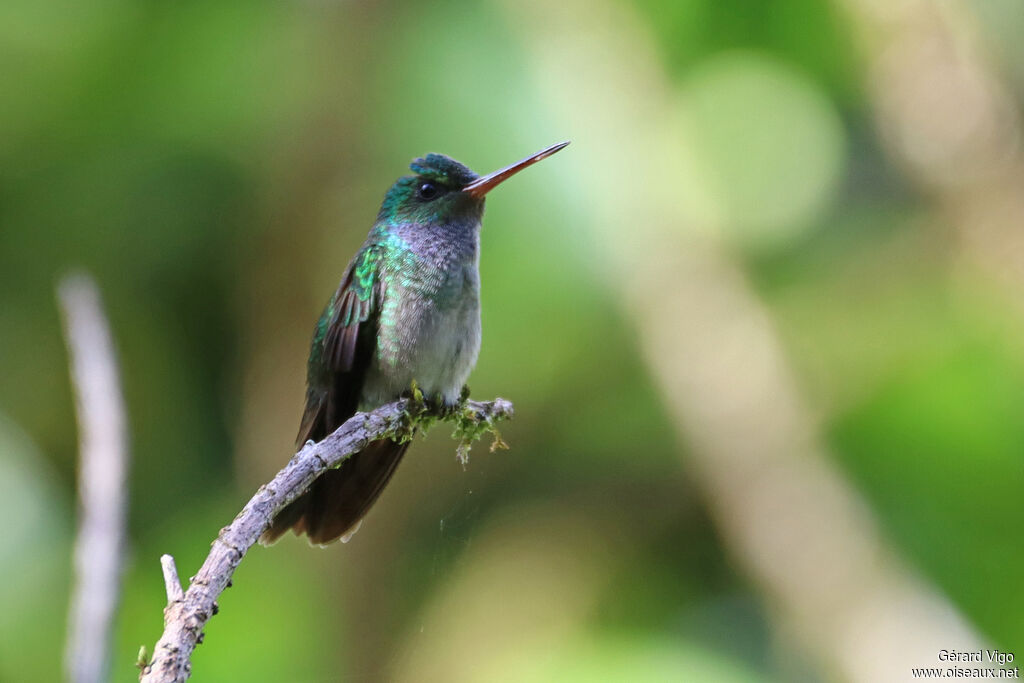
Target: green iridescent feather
{"x":352,"y":305}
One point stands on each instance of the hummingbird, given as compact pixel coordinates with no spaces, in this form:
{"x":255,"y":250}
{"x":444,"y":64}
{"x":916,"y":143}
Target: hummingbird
{"x":407,"y":310}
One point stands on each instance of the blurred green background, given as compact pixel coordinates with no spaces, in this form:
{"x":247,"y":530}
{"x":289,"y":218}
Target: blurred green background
{"x":215,"y":164}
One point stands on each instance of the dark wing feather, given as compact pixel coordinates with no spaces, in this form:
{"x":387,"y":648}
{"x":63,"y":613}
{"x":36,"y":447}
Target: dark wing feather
{"x":342,"y":349}
{"x":351,"y":312}
{"x":343,"y":345}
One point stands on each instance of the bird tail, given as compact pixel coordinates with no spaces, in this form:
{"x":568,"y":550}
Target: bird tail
{"x":335,"y":504}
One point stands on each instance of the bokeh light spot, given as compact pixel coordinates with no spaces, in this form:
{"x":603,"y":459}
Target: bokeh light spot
{"x":770,"y":142}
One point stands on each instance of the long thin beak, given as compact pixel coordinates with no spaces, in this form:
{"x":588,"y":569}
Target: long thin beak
{"x":484,"y":184}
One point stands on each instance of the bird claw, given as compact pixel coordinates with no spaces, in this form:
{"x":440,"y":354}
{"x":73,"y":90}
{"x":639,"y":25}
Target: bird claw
{"x":444,"y":409}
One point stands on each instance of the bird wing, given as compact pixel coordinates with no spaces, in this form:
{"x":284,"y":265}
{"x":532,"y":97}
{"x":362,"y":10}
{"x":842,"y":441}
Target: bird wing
{"x":343,"y":346}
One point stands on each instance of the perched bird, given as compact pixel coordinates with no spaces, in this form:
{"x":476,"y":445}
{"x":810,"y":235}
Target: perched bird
{"x":407,"y":308}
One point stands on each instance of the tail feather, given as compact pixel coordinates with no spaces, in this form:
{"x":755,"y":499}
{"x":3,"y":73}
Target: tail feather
{"x":336,"y":503}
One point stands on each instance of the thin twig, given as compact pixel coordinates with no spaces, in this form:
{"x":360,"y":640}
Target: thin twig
{"x":103,"y":438}
{"x":171,"y":581}
{"x":184,"y":619}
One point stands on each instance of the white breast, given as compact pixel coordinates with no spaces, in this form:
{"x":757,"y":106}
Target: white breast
{"x":434,"y":343}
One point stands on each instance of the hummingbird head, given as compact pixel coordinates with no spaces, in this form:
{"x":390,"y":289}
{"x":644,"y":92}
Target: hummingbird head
{"x":442,"y":190}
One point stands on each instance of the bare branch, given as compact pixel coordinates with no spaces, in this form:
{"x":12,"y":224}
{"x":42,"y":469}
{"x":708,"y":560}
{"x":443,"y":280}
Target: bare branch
{"x":171,"y":581}
{"x":103,"y":438}
{"x":185,"y":618}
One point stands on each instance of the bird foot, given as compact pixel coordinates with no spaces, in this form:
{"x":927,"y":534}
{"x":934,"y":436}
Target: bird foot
{"x":436,"y":405}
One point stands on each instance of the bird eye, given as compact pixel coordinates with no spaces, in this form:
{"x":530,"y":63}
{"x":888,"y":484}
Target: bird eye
{"x":428,"y":191}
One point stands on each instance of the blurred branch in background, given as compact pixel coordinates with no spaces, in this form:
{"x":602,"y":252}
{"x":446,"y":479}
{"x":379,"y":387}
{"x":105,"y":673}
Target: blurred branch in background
{"x":950,"y":122}
{"x":187,"y":613}
{"x":102,"y":480}
{"x":787,"y":514}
